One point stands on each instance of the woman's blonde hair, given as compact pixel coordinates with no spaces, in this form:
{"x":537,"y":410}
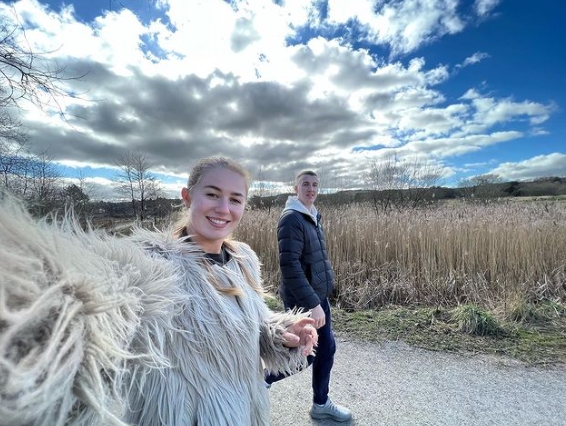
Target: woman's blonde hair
{"x":216,"y":162}
{"x":180,"y":228}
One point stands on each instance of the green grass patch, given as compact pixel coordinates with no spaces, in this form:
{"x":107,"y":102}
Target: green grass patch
{"x":474,"y":320}
{"x":533,"y":333}
{"x":465,"y":329}
{"x":273,"y":302}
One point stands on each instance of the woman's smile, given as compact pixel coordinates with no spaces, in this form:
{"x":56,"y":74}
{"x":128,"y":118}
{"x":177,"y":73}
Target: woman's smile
{"x":218,"y":222}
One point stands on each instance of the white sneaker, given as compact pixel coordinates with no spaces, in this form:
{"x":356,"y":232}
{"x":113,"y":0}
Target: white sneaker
{"x":330,"y":411}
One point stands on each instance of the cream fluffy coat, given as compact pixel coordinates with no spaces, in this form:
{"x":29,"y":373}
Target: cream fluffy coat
{"x":102,"y":330}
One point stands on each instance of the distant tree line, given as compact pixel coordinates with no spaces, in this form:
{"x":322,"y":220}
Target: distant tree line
{"x":482,"y":189}
{"x":37,"y":180}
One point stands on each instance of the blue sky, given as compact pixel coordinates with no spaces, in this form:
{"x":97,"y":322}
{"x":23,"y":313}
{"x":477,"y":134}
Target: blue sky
{"x":463,"y":87}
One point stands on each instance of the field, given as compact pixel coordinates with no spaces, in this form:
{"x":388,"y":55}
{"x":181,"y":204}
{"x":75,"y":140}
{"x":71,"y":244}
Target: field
{"x":483,"y":270}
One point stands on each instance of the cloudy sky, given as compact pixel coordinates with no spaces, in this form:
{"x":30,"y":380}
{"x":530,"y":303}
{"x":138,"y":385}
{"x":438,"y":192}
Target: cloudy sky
{"x":469,"y":87}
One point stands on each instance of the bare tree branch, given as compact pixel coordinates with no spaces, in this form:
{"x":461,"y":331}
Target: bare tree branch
{"x":136,"y":181}
{"x":28,"y":75}
{"x":400,"y":184}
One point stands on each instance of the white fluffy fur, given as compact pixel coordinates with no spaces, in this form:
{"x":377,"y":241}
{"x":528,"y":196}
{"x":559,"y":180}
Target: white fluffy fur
{"x":102,"y":330}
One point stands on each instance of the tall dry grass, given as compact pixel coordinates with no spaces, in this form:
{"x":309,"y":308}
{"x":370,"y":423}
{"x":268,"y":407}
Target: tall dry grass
{"x":455,"y":253}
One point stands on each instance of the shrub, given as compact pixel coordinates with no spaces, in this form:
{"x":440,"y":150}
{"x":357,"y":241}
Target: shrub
{"x":473,"y":320}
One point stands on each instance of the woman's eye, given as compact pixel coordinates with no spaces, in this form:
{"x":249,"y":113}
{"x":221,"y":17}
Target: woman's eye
{"x":236,"y":200}
{"x":212,"y":195}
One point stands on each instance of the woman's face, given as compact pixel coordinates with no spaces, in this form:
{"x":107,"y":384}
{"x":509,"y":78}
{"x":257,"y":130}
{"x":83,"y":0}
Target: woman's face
{"x":216,"y":205}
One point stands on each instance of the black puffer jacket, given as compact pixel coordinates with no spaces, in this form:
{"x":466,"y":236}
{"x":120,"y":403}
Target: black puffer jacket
{"x":306,"y":274}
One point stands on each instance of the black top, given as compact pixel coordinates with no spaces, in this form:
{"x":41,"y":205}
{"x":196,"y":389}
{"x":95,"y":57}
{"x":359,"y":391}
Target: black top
{"x":219,"y":259}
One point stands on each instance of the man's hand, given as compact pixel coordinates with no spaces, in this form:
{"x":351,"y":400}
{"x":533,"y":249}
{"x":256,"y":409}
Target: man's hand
{"x":302,"y":333}
{"x":317,"y":314}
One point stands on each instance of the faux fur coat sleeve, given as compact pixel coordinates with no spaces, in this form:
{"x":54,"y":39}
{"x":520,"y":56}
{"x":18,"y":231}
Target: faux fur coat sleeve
{"x":94,"y":331}
{"x":70,"y":306}
{"x":276,"y":357}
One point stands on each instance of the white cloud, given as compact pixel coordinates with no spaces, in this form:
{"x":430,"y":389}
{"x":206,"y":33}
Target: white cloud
{"x":474,"y":59}
{"x":222,"y":78}
{"x":539,"y":166}
{"x":484,"y":7}
{"x":404,"y":25}
{"x":490,"y":111}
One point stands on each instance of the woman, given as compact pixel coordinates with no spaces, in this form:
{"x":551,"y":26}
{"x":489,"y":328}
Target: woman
{"x":160,"y":328}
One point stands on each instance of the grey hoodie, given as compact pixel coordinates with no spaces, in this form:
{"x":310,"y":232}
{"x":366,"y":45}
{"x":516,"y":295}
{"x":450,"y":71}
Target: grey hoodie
{"x":293,"y":203}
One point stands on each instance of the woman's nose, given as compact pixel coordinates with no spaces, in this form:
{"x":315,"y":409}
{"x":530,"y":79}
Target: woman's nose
{"x":223,"y":205}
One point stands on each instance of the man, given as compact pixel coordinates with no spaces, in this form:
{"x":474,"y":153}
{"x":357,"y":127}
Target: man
{"x":307,"y":280}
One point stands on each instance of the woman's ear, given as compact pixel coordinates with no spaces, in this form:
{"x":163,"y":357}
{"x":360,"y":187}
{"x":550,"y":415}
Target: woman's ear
{"x":186,"y":197}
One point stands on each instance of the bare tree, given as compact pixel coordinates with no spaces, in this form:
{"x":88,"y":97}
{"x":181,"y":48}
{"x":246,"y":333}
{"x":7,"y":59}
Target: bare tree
{"x":383,"y":180}
{"x":136,"y":181}
{"x":87,"y":187}
{"x":421,"y":178}
{"x":77,"y":196}
{"x":32,"y":178}
{"x":401,"y":184}
{"x":46,"y":184}
{"x":259,"y":198}
{"x":481,"y":187}
{"x":261,"y":187}
{"x":13,"y":148}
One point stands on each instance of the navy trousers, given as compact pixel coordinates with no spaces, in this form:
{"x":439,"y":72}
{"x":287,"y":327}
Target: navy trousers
{"x":321,"y":363}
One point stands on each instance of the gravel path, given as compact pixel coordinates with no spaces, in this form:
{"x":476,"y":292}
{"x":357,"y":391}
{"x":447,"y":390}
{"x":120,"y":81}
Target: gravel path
{"x":395,"y":384}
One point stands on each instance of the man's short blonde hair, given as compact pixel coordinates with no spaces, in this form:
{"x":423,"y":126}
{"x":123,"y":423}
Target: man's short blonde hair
{"x":304,"y":173}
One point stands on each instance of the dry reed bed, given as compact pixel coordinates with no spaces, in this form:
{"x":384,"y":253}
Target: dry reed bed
{"x":489,"y":254}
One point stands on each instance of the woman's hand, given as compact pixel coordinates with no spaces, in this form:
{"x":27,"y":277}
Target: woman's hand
{"x":302,"y":333}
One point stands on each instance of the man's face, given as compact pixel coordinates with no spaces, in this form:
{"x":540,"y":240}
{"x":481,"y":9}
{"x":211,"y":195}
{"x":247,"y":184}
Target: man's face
{"x":307,"y":190}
